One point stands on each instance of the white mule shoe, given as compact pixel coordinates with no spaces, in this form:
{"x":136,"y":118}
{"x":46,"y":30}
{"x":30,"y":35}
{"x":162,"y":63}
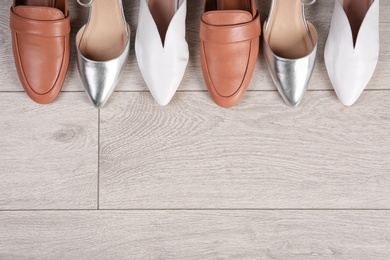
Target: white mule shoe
{"x":103,"y":47}
{"x":160,"y":46}
{"x":352,"y":48}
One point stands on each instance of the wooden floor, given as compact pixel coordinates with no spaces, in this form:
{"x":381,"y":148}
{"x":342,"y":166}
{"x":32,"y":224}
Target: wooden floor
{"x":192,"y":180}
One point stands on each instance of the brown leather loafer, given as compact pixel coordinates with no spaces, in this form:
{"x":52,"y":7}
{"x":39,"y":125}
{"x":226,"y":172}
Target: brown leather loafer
{"x":229,"y":34}
{"x":41,"y":46}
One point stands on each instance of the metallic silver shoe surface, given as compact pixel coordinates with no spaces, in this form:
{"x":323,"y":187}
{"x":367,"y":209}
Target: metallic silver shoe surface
{"x":291,"y":76}
{"x":101,"y":77}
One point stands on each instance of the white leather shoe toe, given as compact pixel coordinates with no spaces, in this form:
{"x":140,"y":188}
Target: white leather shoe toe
{"x":160,"y":46}
{"x":352,"y":48}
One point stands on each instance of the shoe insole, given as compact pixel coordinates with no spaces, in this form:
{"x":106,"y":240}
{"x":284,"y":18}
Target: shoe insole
{"x":286,"y":31}
{"x":45,"y":3}
{"x":105,"y":35}
{"x":244,"y":5}
{"x":356,"y":10}
{"x":163,"y":12}
{"x":59,"y":4}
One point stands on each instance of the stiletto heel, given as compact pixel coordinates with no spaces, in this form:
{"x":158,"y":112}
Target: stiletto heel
{"x":290,"y":48}
{"x":103,"y":46}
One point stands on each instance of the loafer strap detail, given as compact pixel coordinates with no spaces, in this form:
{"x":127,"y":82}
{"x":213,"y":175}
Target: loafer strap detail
{"x":230,"y":33}
{"x":54,"y":28}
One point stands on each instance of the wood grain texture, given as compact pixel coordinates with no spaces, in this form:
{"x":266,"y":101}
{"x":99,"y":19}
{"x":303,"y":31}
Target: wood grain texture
{"x":194,"y":155}
{"x":358,"y":235}
{"x":48,"y":154}
{"x":320,"y":14}
{"x":261,"y":154}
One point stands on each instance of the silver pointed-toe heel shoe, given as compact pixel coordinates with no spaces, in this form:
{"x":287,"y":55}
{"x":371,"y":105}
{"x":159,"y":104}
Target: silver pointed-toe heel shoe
{"x":103,"y":46}
{"x":290,"y":48}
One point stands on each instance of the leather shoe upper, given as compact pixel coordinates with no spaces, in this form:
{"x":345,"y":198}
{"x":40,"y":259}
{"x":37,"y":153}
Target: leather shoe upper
{"x":40,"y":40}
{"x":162,"y":64}
{"x":229,"y":50}
{"x":351,"y":67}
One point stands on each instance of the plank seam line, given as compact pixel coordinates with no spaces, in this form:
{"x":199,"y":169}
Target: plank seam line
{"x":98,"y":164}
{"x":194,"y":210}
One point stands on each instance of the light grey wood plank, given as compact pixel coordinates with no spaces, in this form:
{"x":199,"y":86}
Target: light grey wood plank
{"x":48,"y":154}
{"x":195,"y":235}
{"x":319,"y":14}
{"x":261,"y":154}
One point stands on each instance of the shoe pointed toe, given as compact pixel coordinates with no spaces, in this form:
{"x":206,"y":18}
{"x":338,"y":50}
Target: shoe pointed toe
{"x":290,"y":47}
{"x":97,"y":102}
{"x":98,"y":83}
{"x":347,"y":82}
{"x":163,"y":76}
{"x":163,"y":80}
{"x":349,"y":72}
{"x":103,"y":47}
{"x":162,"y":61}
{"x":163,"y":91}
{"x":98,"y":91}
{"x":291,"y":76}
{"x":292,"y":96}
{"x":347,"y":98}
{"x":162,"y":99}
{"x":351,"y":59}
{"x":292,"y":82}
{"x":100,"y":78}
